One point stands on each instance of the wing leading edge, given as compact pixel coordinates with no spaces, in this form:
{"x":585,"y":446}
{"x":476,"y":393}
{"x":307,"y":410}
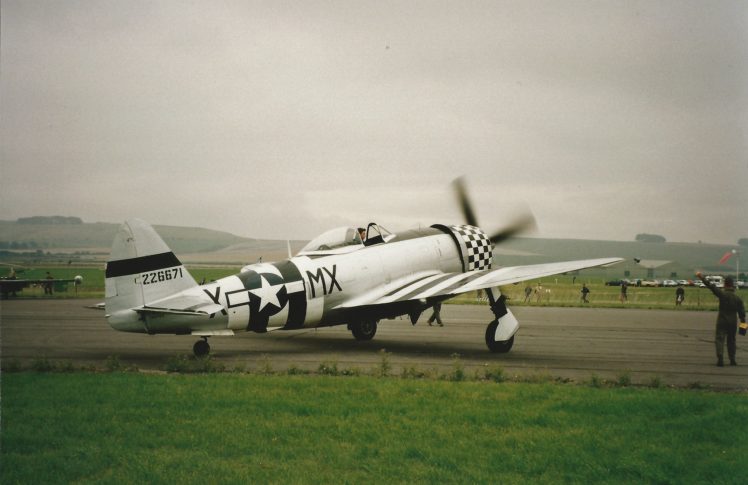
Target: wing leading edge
{"x":423,"y":286}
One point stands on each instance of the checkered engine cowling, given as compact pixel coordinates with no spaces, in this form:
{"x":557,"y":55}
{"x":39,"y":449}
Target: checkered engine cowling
{"x":475,"y":247}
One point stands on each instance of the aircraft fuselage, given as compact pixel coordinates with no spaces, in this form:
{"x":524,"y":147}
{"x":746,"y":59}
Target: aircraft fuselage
{"x":303,"y":291}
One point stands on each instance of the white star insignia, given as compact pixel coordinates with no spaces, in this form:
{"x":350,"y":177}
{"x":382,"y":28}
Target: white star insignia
{"x":267,"y":293}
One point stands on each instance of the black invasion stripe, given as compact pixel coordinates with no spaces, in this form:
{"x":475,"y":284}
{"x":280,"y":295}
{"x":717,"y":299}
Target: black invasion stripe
{"x":408,"y":284}
{"x":425,"y":287}
{"x":143,"y":264}
{"x":462,"y":282}
{"x":296,"y":301}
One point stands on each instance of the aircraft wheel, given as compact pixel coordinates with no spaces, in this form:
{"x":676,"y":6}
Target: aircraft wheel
{"x":364,"y":330}
{"x":499,"y":347}
{"x":201,"y":348}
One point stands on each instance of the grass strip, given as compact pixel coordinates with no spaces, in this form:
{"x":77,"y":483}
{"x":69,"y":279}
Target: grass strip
{"x":131,"y":427}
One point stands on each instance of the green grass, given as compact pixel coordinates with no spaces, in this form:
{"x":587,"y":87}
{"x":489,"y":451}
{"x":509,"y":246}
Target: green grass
{"x":130,"y":427}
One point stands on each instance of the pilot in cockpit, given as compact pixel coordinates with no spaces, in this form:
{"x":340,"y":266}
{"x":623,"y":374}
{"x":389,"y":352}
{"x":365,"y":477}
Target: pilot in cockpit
{"x":362,"y":234}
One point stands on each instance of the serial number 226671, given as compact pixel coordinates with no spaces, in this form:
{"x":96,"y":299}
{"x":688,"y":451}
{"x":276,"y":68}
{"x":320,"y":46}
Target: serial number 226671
{"x":160,"y":276}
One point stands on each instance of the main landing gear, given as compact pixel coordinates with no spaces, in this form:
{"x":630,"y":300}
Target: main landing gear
{"x":498,"y":307}
{"x":201,"y":347}
{"x":363,"y":330}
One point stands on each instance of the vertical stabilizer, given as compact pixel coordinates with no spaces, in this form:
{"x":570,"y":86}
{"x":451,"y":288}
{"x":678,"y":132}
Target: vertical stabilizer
{"x":142,"y":269}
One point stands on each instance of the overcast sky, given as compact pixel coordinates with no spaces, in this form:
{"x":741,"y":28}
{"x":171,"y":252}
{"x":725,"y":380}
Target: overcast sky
{"x":283,"y":119}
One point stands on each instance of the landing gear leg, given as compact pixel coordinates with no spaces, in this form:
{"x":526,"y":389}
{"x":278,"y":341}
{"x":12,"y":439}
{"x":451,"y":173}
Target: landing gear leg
{"x":201,"y":347}
{"x":498,"y":305}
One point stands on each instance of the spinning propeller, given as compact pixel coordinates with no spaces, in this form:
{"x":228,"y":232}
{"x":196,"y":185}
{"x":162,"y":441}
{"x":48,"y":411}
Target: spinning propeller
{"x":521,"y":223}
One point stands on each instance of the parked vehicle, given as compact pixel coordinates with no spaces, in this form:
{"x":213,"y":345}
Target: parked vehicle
{"x":718,"y":281}
{"x":650,"y":283}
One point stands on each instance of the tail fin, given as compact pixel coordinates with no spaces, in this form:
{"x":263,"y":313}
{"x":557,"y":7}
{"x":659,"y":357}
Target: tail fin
{"x":142,"y":269}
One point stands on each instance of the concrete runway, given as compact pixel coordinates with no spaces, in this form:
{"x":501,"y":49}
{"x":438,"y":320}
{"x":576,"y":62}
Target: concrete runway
{"x":570,"y":343}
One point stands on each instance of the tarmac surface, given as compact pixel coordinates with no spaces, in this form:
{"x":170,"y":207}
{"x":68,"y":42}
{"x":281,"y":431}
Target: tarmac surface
{"x":674,"y":347}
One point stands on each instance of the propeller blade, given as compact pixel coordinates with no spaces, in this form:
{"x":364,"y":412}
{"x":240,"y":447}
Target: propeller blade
{"x":521,"y":224}
{"x":462,"y":198}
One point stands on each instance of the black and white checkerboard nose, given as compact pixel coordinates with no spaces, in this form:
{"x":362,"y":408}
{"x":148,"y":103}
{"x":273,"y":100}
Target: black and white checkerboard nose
{"x":477,"y":250}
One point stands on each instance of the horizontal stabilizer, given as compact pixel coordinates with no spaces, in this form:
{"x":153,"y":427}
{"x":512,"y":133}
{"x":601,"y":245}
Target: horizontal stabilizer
{"x":211,"y":309}
{"x":213,"y":333}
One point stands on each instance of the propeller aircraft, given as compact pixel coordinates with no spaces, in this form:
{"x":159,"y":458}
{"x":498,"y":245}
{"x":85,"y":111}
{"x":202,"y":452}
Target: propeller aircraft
{"x":12,"y":285}
{"x":342,"y":277}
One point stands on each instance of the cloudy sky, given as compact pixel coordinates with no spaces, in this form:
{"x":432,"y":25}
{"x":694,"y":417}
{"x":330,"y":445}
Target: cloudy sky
{"x":283,"y":119}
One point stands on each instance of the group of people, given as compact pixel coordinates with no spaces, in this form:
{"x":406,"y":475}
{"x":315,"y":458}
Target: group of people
{"x":539,"y":292}
{"x":731,"y":310}
{"x":680,"y":293}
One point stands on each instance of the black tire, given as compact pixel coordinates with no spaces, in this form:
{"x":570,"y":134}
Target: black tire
{"x":364,"y":330}
{"x":498,"y":347}
{"x":201,"y":348}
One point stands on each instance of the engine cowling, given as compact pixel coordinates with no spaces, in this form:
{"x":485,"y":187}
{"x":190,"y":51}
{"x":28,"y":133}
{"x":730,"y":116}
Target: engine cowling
{"x":476,"y":250}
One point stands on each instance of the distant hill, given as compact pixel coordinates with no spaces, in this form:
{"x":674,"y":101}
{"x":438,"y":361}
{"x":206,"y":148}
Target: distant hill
{"x":195,"y":244}
{"x":31,"y":234}
{"x":50,"y":220}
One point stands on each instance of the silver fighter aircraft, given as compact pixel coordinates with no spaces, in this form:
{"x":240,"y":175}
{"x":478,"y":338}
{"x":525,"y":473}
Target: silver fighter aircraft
{"x":342,"y":277}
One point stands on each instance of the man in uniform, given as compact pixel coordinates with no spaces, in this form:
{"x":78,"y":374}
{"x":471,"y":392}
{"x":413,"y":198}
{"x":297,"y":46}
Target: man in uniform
{"x":730,"y":307}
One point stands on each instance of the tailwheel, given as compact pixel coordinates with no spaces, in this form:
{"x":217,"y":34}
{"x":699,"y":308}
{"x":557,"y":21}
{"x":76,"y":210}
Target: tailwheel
{"x":497,"y":346}
{"x":201,"y":347}
{"x":364,"y":330}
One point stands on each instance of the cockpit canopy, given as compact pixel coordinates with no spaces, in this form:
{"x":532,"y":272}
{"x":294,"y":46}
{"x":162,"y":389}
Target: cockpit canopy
{"x":333,"y":239}
{"x":346,"y":239}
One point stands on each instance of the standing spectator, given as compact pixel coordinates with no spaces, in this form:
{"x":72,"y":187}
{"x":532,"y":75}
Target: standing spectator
{"x":541,"y":292}
{"x":585,"y":292}
{"x":48,"y":284}
{"x":528,"y":293}
{"x":680,"y":295}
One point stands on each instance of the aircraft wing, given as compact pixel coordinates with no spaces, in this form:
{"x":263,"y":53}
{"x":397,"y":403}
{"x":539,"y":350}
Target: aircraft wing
{"x":15,"y":283}
{"x":423,"y":286}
